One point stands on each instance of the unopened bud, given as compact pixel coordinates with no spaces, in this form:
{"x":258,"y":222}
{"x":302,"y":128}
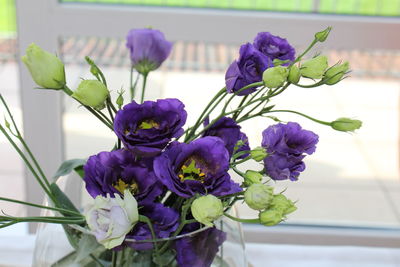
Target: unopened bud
{"x":252,"y":177}
{"x":314,"y":68}
{"x":335,"y":73}
{"x":321,"y":36}
{"x":258,"y":196}
{"x":294,"y":74}
{"x":120,"y":100}
{"x":46,"y":69}
{"x":274,"y":77}
{"x":207,"y":209}
{"x":258,"y":154}
{"x":270,"y":217}
{"x":346,"y":125}
{"x":282,"y":203}
{"x":91,"y":93}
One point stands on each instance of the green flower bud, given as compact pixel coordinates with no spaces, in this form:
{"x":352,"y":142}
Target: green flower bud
{"x":91,"y":93}
{"x":274,"y":77}
{"x":258,"y":196}
{"x":120,"y":101}
{"x":321,"y":36}
{"x":294,"y":74}
{"x":314,"y":68}
{"x":207,"y":209}
{"x":270,"y":217}
{"x":335,"y":73}
{"x":7,"y":124}
{"x":346,"y":124}
{"x":258,"y":154}
{"x":46,"y":69}
{"x":252,"y":177}
{"x":94,"y":70}
{"x":280,"y":202}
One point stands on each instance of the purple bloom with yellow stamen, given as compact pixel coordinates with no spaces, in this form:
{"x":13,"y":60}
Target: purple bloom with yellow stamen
{"x":146,"y":129}
{"x":113,"y":172}
{"x":198,"y":167}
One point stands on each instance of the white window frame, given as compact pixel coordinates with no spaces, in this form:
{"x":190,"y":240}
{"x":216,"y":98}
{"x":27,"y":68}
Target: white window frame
{"x":44,"y":21}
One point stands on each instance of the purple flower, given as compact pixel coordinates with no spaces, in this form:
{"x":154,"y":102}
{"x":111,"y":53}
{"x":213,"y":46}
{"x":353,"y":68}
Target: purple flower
{"x":274,"y":47}
{"x":148,"y":49}
{"x":145,"y":129}
{"x":198,"y":167}
{"x":165,"y":221}
{"x":229,"y":131}
{"x":113,"y":172}
{"x":286,"y":145}
{"x":246,"y":70}
{"x":200,"y":249}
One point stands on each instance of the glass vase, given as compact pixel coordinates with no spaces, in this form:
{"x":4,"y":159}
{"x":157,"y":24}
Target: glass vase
{"x":222,"y":245}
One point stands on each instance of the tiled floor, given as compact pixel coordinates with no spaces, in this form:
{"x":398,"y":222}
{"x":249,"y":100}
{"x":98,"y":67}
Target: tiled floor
{"x":352,"y":179}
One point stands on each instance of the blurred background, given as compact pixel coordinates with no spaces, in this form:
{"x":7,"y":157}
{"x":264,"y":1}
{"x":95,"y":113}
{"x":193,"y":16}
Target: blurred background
{"x":352,"y":182}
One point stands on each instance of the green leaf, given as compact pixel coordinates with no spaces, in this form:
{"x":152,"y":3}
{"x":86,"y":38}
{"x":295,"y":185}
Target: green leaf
{"x":62,"y":200}
{"x":68,"y":166}
{"x":87,"y":245}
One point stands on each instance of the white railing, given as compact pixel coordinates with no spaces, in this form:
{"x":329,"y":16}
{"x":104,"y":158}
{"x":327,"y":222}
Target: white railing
{"x":44,"y":21}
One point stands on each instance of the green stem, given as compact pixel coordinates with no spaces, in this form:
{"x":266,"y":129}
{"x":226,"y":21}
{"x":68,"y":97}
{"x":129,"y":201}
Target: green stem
{"x":96,"y":114}
{"x":206,"y":111}
{"x":224,"y":113}
{"x":109,"y":109}
{"x":28,"y":164}
{"x":237,"y":171}
{"x":240,"y":161}
{"x":26,"y":147}
{"x":236,"y":114}
{"x":305,"y":51}
{"x":132,"y":88}
{"x":56,"y":220}
{"x":39,"y":206}
{"x":96,"y":260}
{"x":304,"y":115}
{"x":233,"y":195}
{"x":242,"y":220}
{"x":114,"y":259}
{"x":239,"y":154}
{"x":153,"y":234}
{"x":143,"y":87}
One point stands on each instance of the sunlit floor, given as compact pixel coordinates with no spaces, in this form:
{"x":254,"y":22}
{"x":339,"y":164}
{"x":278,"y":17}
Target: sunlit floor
{"x":352,"y":179}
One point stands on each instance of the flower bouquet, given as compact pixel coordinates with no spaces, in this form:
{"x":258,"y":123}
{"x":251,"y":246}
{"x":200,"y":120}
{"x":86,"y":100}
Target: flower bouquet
{"x":160,"y":191}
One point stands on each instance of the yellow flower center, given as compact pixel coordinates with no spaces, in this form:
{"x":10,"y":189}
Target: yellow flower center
{"x":148,"y":124}
{"x":191,"y":172}
{"x":121,"y":186}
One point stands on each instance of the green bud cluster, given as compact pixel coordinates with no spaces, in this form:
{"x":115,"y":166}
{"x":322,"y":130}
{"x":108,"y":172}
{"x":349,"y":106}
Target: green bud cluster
{"x":279,"y":207}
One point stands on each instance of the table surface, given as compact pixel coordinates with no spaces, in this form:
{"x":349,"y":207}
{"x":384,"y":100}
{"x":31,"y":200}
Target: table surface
{"x":18,"y":251}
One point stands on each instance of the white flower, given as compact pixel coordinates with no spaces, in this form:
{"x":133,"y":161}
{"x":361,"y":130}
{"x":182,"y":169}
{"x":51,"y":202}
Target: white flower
{"x":110,"y":219}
